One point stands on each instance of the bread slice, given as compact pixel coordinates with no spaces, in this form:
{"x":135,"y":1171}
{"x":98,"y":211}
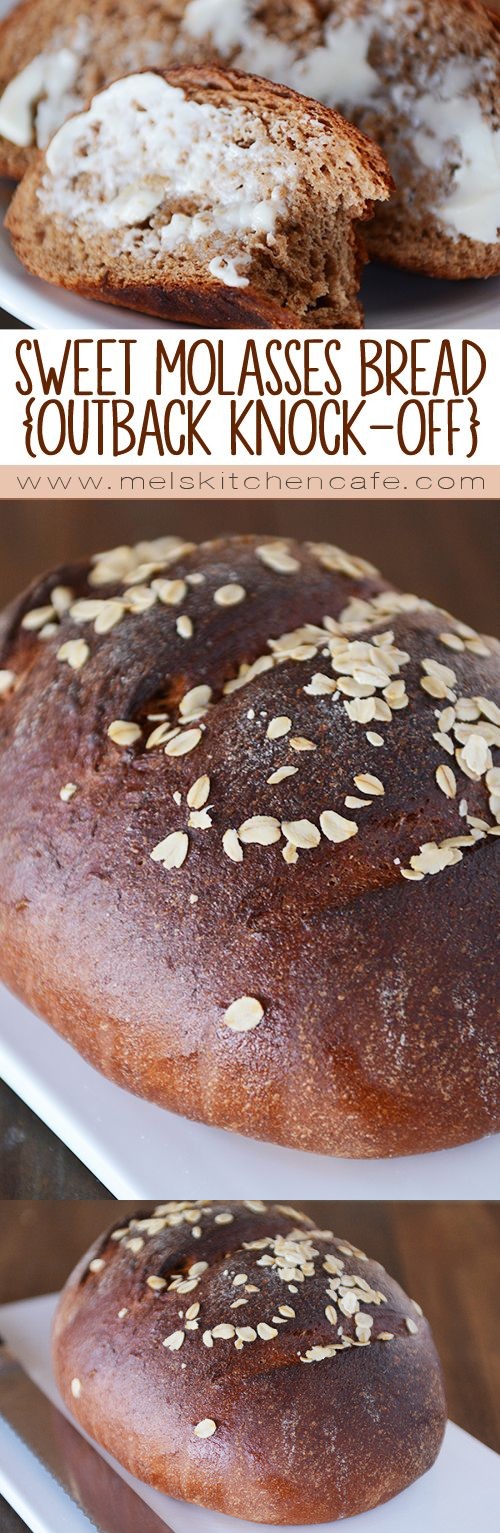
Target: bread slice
{"x":204,"y":196}
{"x":54,"y":58}
{"x":421,"y":77}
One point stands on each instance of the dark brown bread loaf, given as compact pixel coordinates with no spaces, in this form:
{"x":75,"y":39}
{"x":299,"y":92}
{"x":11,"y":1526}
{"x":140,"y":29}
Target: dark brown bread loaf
{"x":207,"y":196}
{"x":422,"y":77}
{"x":233,"y":771}
{"x":235,"y":1356}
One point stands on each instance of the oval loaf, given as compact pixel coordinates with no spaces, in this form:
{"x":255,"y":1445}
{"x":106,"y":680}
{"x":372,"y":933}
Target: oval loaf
{"x":235,"y":1356}
{"x":248,"y":822}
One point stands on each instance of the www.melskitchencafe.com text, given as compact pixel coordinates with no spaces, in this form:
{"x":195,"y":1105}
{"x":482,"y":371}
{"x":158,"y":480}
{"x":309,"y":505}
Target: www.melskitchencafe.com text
{"x":239,"y":399}
{"x":230,"y":484}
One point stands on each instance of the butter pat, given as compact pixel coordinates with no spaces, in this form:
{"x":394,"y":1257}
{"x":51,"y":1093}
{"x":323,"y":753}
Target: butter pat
{"x":225,"y":271}
{"x":231,"y":27}
{"x":17,"y":105}
{"x":135,"y":203}
{"x":225,"y":21}
{"x":337,"y":70}
{"x":455,"y":129}
{"x":338,"y":73}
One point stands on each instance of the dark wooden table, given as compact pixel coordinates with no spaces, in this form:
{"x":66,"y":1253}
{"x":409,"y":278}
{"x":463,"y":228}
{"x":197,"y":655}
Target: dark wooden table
{"x":444,"y":551}
{"x":33,"y":1159}
{"x":446,"y":1255}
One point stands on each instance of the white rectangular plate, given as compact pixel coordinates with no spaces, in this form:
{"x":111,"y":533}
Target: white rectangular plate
{"x":461,"y":1492}
{"x":391,"y":298}
{"x":127,"y":1142}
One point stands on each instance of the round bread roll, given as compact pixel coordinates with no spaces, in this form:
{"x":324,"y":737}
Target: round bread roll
{"x":248,"y":815}
{"x":233,"y":1355}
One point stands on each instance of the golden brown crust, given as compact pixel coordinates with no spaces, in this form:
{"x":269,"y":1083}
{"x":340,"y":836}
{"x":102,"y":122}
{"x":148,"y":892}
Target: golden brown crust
{"x":430,"y":250}
{"x":292,"y":1441}
{"x":380,"y":1030}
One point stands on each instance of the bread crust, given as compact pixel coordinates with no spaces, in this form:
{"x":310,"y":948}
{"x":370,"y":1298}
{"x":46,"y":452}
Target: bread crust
{"x":294,"y":1442}
{"x":66,"y":255}
{"x":380,"y":1033}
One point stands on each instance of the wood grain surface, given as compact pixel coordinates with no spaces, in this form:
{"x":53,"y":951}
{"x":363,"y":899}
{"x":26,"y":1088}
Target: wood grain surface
{"x":446,"y":552}
{"x":33,"y":1159}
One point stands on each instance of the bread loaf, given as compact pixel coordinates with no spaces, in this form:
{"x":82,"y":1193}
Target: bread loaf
{"x":235,"y":1356}
{"x":207,"y":196}
{"x":248,"y":819}
{"x":422,"y":77}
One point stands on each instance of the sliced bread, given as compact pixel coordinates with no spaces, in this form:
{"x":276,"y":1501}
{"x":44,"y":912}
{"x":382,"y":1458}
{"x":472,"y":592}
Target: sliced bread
{"x":421,"y":77}
{"x":53,"y":59}
{"x":204,"y":196}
